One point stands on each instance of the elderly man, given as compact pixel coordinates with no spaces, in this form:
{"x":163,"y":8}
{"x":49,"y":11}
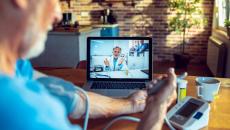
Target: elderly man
{"x":115,"y":62}
{"x":26,"y":104}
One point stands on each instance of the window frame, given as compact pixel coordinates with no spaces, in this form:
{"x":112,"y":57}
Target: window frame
{"x":227,"y":14}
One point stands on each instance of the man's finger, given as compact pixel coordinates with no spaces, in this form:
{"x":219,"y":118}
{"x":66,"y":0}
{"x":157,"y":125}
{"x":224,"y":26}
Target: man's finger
{"x":154,"y":81}
{"x":159,"y":77}
{"x":171,"y":74}
{"x":144,"y":92}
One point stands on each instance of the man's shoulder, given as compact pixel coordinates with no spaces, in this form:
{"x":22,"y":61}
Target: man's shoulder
{"x":23,"y":106}
{"x":20,"y":84}
{"x":12,"y":90}
{"x":16,"y":87}
{"x":7,"y":81}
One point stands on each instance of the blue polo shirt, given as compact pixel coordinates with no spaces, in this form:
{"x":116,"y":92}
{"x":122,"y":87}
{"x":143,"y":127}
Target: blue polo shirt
{"x":62,"y":90}
{"x":26,"y":104}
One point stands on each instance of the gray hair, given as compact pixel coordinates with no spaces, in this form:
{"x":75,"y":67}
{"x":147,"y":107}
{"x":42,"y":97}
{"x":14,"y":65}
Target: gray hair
{"x":117,"y":47}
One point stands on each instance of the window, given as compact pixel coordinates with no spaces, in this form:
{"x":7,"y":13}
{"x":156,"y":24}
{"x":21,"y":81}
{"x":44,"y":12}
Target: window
{"x":223,"y":11}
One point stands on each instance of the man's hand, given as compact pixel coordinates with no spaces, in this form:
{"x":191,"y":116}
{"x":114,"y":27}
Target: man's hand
{"x":106,"y":61}
{"x":157,"y":105}
{"x":138,"y":101}
{"x":121,"y":61}
{"x":168,"y":92}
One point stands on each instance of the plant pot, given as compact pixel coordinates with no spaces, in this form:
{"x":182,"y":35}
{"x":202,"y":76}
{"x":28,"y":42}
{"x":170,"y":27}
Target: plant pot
{"x":228,"y":31}
{"x":182,"y":60}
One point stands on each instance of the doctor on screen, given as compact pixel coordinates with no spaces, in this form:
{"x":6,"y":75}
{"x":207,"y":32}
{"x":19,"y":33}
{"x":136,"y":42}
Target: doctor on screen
{"x":115,"y":62}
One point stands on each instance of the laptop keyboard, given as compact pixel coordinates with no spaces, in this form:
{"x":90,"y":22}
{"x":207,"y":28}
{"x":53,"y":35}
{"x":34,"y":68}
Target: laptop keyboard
{"x":117,"y":85}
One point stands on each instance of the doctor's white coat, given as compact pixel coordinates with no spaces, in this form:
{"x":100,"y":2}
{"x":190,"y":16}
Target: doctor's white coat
{"x":117,"y":67}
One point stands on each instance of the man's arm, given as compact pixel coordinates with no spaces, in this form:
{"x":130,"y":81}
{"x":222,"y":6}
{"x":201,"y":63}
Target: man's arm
{"x":156,"y":109}
{"x":156,"y":120}
{"x":102,"y":106}
{"x":107,"y":65}
{"x":107,"y":68}
{"x":122,"y":64}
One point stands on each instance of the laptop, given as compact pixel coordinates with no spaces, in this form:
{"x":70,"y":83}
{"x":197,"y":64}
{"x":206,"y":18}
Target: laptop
{"x":118,"y":66}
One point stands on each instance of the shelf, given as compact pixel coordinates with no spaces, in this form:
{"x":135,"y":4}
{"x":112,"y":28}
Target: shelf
{"x":114,"y":0}
{"x":68,"y":1}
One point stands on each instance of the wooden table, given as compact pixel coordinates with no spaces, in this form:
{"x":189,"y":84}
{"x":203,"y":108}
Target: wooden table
{"x":219,"y":115}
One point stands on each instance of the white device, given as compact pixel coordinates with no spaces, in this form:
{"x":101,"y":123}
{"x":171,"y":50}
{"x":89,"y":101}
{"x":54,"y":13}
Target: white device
{"x":189,"y":114}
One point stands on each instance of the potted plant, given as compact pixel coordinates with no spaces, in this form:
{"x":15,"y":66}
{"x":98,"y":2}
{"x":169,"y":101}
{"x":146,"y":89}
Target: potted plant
{"x":187,"y":15}
{"x":227,"y":25}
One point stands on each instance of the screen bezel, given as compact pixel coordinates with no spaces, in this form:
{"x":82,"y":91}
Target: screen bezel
{"x":119,"y":79}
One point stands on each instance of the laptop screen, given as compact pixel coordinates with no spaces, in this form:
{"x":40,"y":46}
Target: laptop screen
{"x":119,"y":58}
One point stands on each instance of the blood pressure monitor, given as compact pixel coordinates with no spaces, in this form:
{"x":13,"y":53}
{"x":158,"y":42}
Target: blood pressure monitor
{"x":189,"y":114}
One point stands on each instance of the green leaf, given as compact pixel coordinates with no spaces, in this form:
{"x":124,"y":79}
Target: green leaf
{"x":226,"y":23}
{"x":185,"y":11}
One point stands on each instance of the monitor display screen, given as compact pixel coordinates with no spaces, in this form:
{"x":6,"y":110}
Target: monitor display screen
{"x":188,"y":109}
{"x":119,"y":58}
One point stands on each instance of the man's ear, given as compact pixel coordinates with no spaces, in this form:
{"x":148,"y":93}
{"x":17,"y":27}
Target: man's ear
{"x":22,"y":4}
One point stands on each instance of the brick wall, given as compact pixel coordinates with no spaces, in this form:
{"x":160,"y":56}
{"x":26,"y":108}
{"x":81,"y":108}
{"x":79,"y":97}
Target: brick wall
{"x":149,"y":18}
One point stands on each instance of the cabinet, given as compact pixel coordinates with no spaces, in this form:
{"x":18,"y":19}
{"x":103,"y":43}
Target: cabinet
{"x":83,"y":42}
{"x":65,"y":49}
{"x":109,"y":30}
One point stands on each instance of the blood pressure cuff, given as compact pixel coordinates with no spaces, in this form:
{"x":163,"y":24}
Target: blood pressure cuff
{"x":63,"y":90}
